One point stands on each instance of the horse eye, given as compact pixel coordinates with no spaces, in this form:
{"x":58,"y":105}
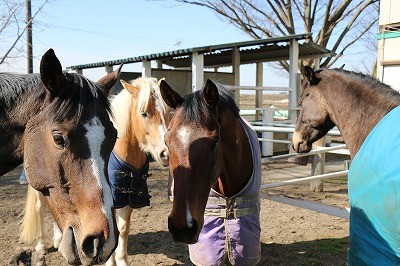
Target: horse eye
{"x":144,"y":114}
{"x":59,"y":139}
{"x":307,"y":94}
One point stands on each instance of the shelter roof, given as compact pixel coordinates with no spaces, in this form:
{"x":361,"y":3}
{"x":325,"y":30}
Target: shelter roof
{"x":254,"y":51}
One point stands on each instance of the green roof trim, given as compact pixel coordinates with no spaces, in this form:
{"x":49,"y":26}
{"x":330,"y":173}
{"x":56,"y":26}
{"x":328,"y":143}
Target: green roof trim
{"x":388,"y":35}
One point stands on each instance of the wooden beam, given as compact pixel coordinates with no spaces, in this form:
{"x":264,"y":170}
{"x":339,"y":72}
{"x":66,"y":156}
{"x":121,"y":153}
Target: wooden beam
{"x":146,"y":68}
{"x":293,"y":70}
{"x":197,"y":71}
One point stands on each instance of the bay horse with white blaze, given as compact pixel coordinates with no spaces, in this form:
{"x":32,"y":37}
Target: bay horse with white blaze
{"x":367,"y":113}
{"x":141,"y":118}
{"x":58,"y":124}
{"x":215,"y":164}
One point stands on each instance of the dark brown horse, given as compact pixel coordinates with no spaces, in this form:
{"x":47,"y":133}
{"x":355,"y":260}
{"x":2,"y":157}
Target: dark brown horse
{"x":210,"y":148}
{"x":365,"y":111}
{"x":58,"y":124}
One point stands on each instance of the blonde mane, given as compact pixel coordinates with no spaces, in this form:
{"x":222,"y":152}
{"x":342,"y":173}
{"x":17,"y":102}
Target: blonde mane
{"x":122,"y":103}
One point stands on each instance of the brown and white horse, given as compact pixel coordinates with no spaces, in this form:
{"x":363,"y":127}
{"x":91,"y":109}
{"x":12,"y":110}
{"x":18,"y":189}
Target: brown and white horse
{"x":215,"y":164}
{"x":58,"y":124}
{"x":141,"y":118}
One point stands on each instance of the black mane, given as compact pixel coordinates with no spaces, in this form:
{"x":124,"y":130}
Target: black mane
{"x":13,"y":86}
{"x":76,"y":93}
{"x":372,"y":82}
{"x":195,"y":109}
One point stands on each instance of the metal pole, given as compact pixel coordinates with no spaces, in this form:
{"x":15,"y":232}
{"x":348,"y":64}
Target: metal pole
{"x":29,"y":37}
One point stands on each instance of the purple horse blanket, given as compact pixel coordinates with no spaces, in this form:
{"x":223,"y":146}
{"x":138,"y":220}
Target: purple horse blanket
{"x":232,"y":225}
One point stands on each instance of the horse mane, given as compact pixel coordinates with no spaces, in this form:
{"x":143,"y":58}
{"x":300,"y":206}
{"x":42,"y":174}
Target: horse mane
{"x":195,"y":109}
{"x":12,"y":86}
{"x":77,"y":92}
{"x":122,"y":102}
{"x":373,"y":83}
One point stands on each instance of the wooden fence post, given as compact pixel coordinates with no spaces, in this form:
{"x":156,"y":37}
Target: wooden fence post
{"x":267,"y":146}
{"x":317,"y":166}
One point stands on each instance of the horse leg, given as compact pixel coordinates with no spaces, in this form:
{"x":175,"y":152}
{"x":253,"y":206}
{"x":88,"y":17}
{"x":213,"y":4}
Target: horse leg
{"x":57,"y":235}
{"x":120,"y":255}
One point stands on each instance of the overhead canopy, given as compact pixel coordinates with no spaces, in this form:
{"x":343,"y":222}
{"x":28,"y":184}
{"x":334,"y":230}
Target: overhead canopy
{"x":260,"y":50}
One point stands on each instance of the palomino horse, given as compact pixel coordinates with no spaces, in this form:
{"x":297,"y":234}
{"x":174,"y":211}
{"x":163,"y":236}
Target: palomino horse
{"x":212,"y":148}
{"x":367,"y":114}
{"x":58,"y":124}
{"x":141,"y":118}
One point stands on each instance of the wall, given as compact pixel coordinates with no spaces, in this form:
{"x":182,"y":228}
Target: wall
{"x":179,"y":80}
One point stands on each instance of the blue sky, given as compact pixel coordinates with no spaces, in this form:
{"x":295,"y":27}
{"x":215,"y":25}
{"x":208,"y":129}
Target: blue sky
{"x":97,"y":30}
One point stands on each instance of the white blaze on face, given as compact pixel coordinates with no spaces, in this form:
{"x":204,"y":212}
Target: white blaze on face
{"x":184,"y":136}
{"x":95,"y":136}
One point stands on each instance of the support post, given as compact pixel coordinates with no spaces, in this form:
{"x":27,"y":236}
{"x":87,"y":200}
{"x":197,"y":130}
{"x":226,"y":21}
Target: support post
{"x":267,"y":146}
{"x":146,"y":68}
{"x":293,"y":69}
{"x":259,"y":93}
{"x":317,"y":166}
{"x":197,"y":71}
{"x":109,"y":69}
{"x":79,"y":71}
{"x":236,"y":73}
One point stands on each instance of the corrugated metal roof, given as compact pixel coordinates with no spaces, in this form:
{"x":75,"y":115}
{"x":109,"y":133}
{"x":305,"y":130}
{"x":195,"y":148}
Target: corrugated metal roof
{"x":262,"y":50}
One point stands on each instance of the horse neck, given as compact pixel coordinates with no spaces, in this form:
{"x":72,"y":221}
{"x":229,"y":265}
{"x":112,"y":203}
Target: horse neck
{"x":237,"y":157}
{"x":127,"y":148}
{"x":356,"y":113}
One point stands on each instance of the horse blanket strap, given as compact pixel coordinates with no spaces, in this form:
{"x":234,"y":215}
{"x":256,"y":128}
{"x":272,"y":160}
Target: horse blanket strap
{"x":374,"y":194}
{"x":231,"y":228}
{"x":231,"y":207}
{"x":129,"y":186}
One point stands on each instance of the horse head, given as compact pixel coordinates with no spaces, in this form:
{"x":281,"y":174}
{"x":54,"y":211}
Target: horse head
{"x":313,"y":121}
{"x":193,"y":140}
{"x":66,"y":151}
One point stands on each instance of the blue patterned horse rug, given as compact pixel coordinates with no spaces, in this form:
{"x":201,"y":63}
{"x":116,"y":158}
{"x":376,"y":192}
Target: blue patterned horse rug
{"x":129,"y":186}
{"x":374,"y":193}
{"x":231,"y":228}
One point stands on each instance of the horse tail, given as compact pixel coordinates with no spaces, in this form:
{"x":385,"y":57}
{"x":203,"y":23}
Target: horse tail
{"x":30,"y":223}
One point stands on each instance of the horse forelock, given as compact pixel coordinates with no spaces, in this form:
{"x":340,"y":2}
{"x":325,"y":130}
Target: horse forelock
{"x":196,"y":110}
{"x":76,"y":93}
{"x":148,"y":88}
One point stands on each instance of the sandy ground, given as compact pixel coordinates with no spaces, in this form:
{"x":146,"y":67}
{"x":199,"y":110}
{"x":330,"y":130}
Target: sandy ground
{"x":290,"y":235}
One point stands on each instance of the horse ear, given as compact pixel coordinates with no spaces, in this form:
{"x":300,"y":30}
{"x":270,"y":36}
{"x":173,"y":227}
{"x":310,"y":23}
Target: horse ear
{"x":109,"y":80}
{"x":129,"y":87}
{"x":310,"y":75}
{"x":210,"y":94}
{"x":159,"y":81}
{"x":51,"y":72}
{"x":170,"y":97}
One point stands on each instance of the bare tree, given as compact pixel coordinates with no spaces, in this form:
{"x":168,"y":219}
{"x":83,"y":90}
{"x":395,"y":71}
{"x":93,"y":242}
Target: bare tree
{"x":13,"y":25}
{"x":338,"y":24}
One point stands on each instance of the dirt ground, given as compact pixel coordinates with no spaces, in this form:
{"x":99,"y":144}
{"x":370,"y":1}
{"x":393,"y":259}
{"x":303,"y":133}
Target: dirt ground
{"x":290,"y":235}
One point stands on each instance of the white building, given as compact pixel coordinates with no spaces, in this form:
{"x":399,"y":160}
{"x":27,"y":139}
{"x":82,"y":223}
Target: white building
{"x":388,"y":65}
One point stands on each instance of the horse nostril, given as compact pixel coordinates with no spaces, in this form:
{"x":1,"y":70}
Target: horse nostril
{"x":92,"y":244}
{"x":164,"y":154}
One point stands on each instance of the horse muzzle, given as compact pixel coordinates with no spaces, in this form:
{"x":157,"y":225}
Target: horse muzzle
{"x":187,"y":235}
{"x":299,"y":144}
{"x":90,"y":251}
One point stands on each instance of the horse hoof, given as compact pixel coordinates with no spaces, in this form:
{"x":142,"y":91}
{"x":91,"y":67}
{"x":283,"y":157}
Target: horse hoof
{"x":22,"y":257}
